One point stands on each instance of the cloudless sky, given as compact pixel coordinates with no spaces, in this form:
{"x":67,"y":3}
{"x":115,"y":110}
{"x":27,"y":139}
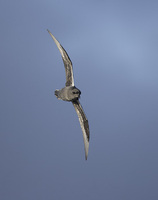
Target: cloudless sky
{"x":114,"y":49}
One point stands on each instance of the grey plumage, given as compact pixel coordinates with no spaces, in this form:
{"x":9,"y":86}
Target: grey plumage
{"x":72,"y":94}
{"x":68,"y":93}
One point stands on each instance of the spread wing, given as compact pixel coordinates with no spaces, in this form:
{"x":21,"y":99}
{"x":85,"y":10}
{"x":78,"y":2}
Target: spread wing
{"x":84,"y":125}
{"x":67,"y":62}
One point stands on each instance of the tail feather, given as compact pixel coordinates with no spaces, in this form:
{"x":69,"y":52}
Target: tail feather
{"x":57,"y":94}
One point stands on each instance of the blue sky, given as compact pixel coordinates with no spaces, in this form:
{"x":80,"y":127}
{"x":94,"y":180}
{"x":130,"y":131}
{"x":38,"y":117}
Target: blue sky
{"x":113,"y":46}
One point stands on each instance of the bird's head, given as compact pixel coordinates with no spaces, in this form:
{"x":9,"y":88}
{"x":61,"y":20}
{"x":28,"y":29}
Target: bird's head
{"x":75,"y":92}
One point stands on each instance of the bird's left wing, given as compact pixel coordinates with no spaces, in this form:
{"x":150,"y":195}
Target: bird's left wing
{"x":67,"y":62}
{"x":84,"y":125}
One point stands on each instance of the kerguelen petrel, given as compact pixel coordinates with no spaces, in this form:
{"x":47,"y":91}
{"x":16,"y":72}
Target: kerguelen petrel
{"x":71,"y":93}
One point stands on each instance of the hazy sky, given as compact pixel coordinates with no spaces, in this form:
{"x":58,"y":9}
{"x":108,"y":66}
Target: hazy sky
{"x":114,"y":49}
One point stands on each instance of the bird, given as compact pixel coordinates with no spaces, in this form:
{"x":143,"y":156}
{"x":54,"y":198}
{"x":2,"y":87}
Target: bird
{"x":72,"y":94}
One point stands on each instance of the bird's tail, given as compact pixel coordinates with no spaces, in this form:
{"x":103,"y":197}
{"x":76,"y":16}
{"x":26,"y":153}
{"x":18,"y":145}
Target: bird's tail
{"x":57,"y":94}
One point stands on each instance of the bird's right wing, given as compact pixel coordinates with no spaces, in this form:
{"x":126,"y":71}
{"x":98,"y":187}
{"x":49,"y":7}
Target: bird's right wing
{"x":84,"y":125}
{"x":67,"y":62}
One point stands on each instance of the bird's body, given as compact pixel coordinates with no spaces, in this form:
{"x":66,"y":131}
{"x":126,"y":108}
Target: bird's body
{"x":68,"y":93}
{"x":72,"y":94}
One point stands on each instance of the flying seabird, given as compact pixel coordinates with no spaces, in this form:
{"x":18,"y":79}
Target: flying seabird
{"x":72,"y":94}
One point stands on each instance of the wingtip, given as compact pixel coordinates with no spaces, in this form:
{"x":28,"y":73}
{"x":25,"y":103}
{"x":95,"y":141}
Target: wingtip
{"x":50,"y":33}
{"x":55,"y":40}
{"x":86,"y":152}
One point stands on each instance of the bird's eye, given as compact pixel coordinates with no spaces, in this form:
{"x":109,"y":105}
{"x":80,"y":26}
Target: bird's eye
{"x":75,"y":92}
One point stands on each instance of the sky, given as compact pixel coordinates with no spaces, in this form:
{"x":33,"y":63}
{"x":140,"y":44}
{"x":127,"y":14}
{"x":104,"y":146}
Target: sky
{"x":113,"y":46}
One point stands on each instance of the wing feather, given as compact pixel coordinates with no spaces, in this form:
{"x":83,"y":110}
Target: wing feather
{"x":84,"y":125}
{"x":67,"y":62}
